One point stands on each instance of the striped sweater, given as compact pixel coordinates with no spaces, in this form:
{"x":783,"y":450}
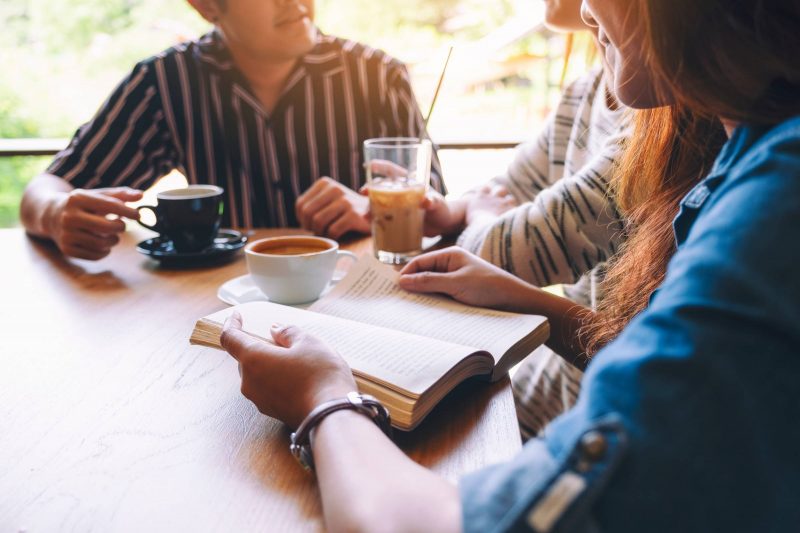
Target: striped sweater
{"x":566,"y":224}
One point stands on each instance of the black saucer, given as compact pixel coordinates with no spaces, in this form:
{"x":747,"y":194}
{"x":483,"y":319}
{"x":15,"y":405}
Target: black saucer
{"x":226,"y":244}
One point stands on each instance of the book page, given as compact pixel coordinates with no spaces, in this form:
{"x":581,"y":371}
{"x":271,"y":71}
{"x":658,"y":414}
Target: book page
{"x":370,"y":294}
{"x":408,"y":361}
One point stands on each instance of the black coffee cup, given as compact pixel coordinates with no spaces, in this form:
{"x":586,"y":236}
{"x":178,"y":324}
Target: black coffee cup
{"x":189,"y":217}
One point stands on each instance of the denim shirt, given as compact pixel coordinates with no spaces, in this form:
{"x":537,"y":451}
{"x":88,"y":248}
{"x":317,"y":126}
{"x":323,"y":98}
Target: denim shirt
{"x":690,"y":419}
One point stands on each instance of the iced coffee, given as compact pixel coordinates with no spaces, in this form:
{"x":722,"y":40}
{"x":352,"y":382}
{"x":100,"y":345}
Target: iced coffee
{"x":397,"y":218}
{"x":398,"y":172}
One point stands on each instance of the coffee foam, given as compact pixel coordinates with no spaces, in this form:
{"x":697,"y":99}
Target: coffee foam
{"x":189,"y":193}
{"x":287,"y":246}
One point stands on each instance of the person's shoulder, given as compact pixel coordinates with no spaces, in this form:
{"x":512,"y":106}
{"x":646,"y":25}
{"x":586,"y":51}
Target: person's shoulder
{"x":585,"y":86}
{"x":759,"y":189}
{"x":205,"y":45}
{"x":356,"y":52}
{"x":585,"y":98}
{"x":780,"y":140}
{"x":774,"y":155}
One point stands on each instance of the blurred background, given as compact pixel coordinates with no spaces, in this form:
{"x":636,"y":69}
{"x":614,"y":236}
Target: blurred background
{"x":62,"y":59}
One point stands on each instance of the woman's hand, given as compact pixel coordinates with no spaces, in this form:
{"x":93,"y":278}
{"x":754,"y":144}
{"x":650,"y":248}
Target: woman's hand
{"x":473,"y":281}
{"x":289,"y":378}
{"x":488,"y":202}
{"x":442,"y":217}
{"x":467,"y":278}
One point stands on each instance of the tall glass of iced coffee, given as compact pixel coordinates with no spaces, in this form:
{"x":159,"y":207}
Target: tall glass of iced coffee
{"x":398,"y":173}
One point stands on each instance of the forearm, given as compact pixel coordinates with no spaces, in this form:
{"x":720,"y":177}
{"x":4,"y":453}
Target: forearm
{"x":510,"y":241}
{"x":38,"y":201}
{"x":368,"y":484}
{"x":566,"y":319}
{"x":458,"y":215}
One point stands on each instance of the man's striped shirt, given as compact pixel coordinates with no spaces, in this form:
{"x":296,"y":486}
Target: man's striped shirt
{"x":189,"y":108}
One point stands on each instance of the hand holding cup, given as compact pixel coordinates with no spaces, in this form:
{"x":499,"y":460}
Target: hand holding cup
{"x":398,"y":173}
{"x":86,"y":224}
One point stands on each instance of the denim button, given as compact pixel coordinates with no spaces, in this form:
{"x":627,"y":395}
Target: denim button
{"x":593,"y":446}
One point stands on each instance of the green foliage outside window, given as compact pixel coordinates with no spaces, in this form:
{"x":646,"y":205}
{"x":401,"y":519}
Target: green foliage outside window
{"x":14,"y":171}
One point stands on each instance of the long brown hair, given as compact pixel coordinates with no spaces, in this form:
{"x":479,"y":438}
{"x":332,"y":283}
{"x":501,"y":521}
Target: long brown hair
{"x":669,"y":151}
{"x":736,"y":60}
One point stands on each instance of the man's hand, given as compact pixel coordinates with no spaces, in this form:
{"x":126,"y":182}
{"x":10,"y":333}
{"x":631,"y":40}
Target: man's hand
{"x":464,"y":276}
{"x":289,"y":378}
{"x":488,"y":201}
{"x":86,"y":223}
{"x":329,"y":208}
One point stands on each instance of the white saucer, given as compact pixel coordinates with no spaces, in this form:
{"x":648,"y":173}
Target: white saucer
{"x":242,"y":290}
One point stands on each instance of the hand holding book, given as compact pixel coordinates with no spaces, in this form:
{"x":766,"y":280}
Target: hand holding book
{"x":406,"y":349}
{"x":474,"y":281}
{"x":290,"y":376}
{"x":467,"y":278}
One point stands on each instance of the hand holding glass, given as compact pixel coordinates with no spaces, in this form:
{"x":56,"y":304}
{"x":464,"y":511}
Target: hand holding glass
{"x":398,"y":173}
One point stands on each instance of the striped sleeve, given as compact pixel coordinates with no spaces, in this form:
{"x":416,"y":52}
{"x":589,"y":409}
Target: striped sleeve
{"x":126,"y":143}
{"x":405,"y":119}
{"x":528,"y":174}
{"x":559,"y":233}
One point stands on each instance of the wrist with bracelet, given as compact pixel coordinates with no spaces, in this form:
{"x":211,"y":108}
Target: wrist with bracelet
{"x":361,"y":403}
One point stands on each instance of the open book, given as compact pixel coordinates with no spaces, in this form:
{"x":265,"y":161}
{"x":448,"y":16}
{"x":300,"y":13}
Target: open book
{"x":408,"y":350}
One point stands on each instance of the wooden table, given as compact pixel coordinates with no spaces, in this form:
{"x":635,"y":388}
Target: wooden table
{"x":111,"y":421}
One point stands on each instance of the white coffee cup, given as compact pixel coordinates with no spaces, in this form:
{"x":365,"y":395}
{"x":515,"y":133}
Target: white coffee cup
{"x":293,"y":269}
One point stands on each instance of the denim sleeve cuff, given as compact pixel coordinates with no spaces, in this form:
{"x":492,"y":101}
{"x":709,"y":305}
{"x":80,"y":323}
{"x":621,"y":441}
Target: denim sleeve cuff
{"x":537,"y":492}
